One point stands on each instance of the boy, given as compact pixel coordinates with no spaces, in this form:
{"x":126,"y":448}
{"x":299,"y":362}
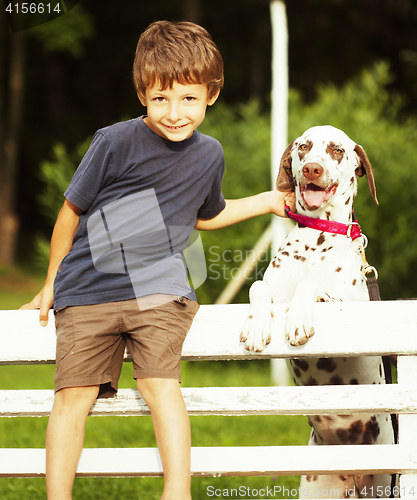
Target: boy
{"x":116,"y":273}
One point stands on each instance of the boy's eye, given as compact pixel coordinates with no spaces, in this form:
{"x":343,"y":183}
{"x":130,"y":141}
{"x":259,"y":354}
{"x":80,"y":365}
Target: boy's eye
{"x":159,"y":99}
{"x":189,"y":98}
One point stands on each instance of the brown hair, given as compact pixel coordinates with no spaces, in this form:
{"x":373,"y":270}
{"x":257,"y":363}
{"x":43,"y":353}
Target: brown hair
{"x":183,"y":52}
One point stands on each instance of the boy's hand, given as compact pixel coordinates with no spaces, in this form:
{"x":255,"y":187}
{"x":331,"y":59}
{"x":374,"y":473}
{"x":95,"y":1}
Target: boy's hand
{"x":280,"y":199}
{"x":42,"y":301}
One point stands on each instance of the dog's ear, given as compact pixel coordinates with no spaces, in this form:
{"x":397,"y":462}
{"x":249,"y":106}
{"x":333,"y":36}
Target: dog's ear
{"x":365,"y":168}
{"x":285,"y":179}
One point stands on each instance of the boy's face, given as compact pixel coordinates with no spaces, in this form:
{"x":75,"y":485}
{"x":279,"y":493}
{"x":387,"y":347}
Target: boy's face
{"x":175,"y":113}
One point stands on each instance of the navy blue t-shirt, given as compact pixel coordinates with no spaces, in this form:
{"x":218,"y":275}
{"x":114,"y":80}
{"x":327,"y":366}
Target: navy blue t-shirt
{"x":141,"y":195}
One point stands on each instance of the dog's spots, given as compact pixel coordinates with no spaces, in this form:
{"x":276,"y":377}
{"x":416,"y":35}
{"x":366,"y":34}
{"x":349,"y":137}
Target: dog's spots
{"x":306,"y":247}
{"x":321,"y":239}
{"x":304,"y":148}
{"x":343,"y":478}
{"x":343,"y":435}
{"x":347,"y":201}
{"x":354,"y":282}
{"x":354,"y":381}
{"x":323,"y":258}
{"x":272,"y":315}
{"x":335,"y":152}
{"x":338,"y":269}
{"x":326,"y":364}
{"x":355,"y":430}
{"x":372,"y":431}
{"x":297,"y":241}
{"x":302,"y":364}
{"x":328,"y":215}
{"x":250,"y":316}
{"x":300,"y":257}
{"x":276,"y":262}
{"x":285,"y":253}
{"x":336,"y":380}
{"x":310,"y":478}
{"x":352,"y":434}
{"x":289,"y":244}
{"x":352,"y":180}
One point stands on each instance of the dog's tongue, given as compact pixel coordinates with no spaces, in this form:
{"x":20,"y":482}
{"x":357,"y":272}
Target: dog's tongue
{"x":314,"y":196}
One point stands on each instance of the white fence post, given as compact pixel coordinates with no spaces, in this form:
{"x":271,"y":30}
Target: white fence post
{"x":279,"y":121}
{"x":407,"y":374}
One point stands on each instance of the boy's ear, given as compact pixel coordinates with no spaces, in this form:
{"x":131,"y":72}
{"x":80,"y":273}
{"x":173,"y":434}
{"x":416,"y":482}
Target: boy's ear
{"x":142,"y":99}
{"x":213,"y":98}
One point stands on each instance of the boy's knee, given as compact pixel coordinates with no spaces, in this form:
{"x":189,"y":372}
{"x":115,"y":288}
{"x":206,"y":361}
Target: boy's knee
{"x":157,"y":387}
{"x":76,"y":397}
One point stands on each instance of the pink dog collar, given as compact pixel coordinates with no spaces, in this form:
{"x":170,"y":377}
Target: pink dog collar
{"x":350,"y":230}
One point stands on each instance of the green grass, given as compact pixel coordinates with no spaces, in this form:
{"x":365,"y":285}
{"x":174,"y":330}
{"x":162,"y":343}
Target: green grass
{"x":138,"y":431}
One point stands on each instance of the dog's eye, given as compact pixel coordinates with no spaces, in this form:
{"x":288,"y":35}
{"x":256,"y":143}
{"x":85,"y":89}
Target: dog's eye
{"x":338,"y":151}
{"x":303,"y":147}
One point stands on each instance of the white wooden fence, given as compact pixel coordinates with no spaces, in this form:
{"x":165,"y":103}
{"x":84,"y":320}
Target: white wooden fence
{"x":374,"y":328}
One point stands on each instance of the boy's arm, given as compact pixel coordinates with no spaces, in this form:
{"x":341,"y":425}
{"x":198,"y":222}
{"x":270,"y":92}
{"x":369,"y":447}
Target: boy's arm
{"x":61,"y":242}
{"x":246,"y":208}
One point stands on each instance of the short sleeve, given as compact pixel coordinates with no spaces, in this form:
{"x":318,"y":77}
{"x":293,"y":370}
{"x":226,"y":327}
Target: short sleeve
{"x":91,"y":174}
{"x":214,"y":202}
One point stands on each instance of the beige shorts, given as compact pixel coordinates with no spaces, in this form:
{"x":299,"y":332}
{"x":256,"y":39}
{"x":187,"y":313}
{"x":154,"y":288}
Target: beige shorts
{"x":91,"y":341}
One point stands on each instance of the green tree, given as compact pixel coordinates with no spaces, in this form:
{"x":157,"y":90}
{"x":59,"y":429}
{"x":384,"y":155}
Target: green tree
{"x":66,"y":34}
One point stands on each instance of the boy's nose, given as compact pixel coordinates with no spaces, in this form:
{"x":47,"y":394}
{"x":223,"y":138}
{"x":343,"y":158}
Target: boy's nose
{"x":174,"y":112}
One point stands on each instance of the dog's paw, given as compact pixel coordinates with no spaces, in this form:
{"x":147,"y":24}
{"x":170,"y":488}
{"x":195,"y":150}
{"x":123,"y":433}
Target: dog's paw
{"x":298,"y":327}
{"x":256,"y":334}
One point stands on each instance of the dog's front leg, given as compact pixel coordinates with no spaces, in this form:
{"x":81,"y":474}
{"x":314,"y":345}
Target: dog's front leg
{"x":256,"y":332}
{"x":299,"y":324}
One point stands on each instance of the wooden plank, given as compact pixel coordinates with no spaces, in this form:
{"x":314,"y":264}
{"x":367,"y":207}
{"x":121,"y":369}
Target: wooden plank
{"x":225,"y":461}
{"x":317,"y":400}
{"x":362,"y":328}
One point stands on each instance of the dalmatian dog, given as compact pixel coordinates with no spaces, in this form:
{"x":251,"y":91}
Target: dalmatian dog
{"x":313,"y":265}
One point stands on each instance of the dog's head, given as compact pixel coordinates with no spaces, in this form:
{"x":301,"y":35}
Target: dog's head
{"x":322,"y":167}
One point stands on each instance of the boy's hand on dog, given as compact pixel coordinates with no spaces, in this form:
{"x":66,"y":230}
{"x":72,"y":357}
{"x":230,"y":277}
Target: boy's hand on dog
{"x":280,"y":199}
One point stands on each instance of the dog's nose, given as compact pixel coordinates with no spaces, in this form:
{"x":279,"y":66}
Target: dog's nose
{"x":312,"y":171}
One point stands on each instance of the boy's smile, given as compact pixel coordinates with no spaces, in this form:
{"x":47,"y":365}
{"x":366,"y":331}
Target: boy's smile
{"x":174,"y":113}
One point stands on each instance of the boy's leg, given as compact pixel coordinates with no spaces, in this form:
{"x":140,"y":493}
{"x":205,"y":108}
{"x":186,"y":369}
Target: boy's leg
{"x":65,"y":438}
{"x":172,"y":431}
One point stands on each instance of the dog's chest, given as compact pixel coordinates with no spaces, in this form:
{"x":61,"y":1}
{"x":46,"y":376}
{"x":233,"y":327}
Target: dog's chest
{"x":328,"y":258}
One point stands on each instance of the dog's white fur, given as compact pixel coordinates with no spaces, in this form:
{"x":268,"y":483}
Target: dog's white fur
{"x":322,"y":167}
